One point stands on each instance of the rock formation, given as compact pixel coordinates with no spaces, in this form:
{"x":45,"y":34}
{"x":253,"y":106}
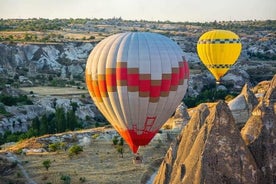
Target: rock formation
{"x":61,"y":59}
{"x":243,"y":105}
{"x":209,"y":150}
{"x":191,"y":130}
{"x":20,"y":117}
{"x":180,"y":118}
{"x":259,"y":133}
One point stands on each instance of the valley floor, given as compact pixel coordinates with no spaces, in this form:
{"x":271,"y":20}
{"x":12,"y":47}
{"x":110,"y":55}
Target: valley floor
{"x":98,"y":163}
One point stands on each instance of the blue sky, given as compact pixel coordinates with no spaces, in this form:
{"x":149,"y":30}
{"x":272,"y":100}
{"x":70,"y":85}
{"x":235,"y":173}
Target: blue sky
{"x":173,"y":10}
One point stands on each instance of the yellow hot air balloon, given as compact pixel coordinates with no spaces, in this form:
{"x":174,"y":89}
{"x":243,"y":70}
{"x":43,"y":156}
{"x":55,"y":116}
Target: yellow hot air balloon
{"x":218,"y":51}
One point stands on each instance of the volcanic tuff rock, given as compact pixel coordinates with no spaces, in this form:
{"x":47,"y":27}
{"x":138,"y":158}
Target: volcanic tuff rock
{"x":181,"y":112}
{"x":209,"y":150}
{"x":181,"y":117}
{"x":20,"y":117}
{"x":259,"y":133}
{"x":242,"y":106}
{"x":63,"y":59}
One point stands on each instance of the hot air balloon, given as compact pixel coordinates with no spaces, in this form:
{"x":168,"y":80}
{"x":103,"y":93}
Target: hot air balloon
{"x":218,"y":51}
{"x":137,"y":79}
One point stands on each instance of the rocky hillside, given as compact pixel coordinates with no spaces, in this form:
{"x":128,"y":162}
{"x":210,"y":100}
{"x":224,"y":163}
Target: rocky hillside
{"x":211,"y":149}
{"x":30,"y":60}
{"x":19,"y":118}
{"x":34,"y":62}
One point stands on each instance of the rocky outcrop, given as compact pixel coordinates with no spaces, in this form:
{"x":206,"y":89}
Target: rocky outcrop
{"x":181,"y":117}
{"x":64,"y":59}
{"x":20,"y":117}
{"x":259,"y":133}
{"x":243,"y":105}
{"x":209,"y":150}
{"x":183,"y":141}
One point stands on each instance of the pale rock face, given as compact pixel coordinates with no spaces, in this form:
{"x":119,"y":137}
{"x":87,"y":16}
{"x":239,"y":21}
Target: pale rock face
{"x":181,"y":116}
{"x":22,"y":116}
{"x":259,"y":133}
{"x":242,"y":106}
{"x":68,"y":58}
{"x":209,"y":150}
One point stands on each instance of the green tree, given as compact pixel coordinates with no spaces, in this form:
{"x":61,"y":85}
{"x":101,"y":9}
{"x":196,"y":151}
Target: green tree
{"x":60,"y":120}
{"x":46,"y":164}
{"x":72,"y":121}
{"x":120,"y":149}
{"x":74,"y":106}
{"x":44,"y":125}
{"x":36,"y":124}
{"x":115,"y":140}
{"x":66,"y":179}
{"x":121,"y":142}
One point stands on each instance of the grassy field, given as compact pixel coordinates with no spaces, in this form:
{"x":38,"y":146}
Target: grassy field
{"x":42,"y":90}
{"x":99,"y":163}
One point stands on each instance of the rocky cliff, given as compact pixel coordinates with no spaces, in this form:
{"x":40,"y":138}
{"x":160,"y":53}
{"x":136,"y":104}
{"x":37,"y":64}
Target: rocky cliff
{"x":62,"y":59}
{"x":259,"y":134}
{"x":211,"y":149}
{"x":243,"y":105}
{"x":20,"y":117}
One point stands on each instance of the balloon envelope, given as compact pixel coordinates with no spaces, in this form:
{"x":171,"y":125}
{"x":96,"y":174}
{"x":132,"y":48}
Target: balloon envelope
{"x":137,"y":80}
{"x":218,"y":51}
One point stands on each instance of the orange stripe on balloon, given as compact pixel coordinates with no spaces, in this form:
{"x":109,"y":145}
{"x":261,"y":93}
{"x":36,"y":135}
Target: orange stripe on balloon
{"x":111,"y":80}
{"x":96,"y":90}
{"x":102,"y":85}
{"x":88,"y":81}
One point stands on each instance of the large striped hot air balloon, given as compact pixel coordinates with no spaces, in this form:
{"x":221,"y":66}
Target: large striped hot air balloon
{"x":137,"y":80}
{"x":218,"y":51}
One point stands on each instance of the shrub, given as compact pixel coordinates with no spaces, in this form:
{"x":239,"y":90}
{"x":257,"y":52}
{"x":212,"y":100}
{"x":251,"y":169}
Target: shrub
{"x":74,"y":150}
{"x":66,"y":179}
{"x":82,"y":179}
{"x":95,"y":136}
{"x":53,"y":147}
{"x":115,"y":140}
{"x":46,"y":164}
{"x":120,"y":149}
{"x":121,"y":142}
{"x":57,"y":146}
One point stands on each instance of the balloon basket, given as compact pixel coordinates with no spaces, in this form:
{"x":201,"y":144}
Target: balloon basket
{"x":138,"y":159}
